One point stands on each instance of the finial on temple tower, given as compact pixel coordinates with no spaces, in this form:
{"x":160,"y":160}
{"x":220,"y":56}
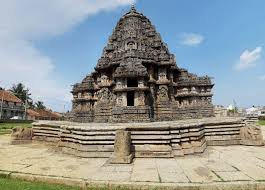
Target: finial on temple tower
{"x":133,"y":9}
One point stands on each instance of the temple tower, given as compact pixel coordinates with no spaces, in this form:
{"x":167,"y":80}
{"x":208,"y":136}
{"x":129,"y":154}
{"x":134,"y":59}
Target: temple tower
{"x":137,"y":80}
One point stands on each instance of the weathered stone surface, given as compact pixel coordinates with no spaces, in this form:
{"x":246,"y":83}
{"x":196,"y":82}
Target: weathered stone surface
{"x":219,"y":167}
{"x":122,"y":148}
{"x":251,"y":134}
{"x":21,"y":135}
{"x":157,"y":139}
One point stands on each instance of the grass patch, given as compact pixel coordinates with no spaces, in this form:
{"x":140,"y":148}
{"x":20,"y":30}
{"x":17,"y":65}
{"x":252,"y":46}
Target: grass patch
{"x":12,"y":184}
{"x":6,"y":128}
{"x":15,"y":184}
{"x":261,"y":122}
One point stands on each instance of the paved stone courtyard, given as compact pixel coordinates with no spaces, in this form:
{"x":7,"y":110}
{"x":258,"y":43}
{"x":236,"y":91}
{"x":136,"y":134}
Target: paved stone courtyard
{"x":218,"y":164}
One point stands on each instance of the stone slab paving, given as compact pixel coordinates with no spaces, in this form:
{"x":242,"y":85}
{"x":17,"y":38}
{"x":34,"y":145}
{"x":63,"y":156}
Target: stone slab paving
{"x":218,"y":165}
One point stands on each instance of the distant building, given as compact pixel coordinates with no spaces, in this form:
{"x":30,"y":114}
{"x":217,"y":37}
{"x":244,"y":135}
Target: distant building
{"x":262,"y":112}
{"x":257,"y":111}
{"x":37,"y":114}
{"x":10,"y":105}
{"x":32,"y":114}
{"x":252,"y":111}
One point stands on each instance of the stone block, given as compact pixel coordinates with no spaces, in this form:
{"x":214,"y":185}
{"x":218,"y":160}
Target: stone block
{"x":176,"y":147}
{"x":21,"y":135}
{"x":186,"y":145}
{"x":177,"y":153}
{"x":251,"y":135}
{"x":223,"y":142}
{"x":154,"y":154}
{"x":200,"y":149}
{"x":188,"y":151}
{"x":122,"y":148}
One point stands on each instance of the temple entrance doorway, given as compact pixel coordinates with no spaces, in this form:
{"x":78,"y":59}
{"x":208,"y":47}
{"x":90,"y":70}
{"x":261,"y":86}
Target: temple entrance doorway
{"x":130,"y":98}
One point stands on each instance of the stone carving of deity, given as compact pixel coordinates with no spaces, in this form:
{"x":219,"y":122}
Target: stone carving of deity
{"x":208,"y":100}
{"x":131,"y":45}
{"x":162,"y":76}
{"x":193,"y":90}
{"x":204,"y":101}
{"x":119,"y":84}
{"x":162,"y":94}
{"x":141,"y":83}
{"x":120,"y":100}
{"x":104,"y":95}
{"x":185,"y":91}
{"x":104,"y":79}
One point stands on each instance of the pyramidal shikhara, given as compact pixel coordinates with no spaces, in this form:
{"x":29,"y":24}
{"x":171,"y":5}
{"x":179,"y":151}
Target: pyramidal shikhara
{"x":137,"y":80}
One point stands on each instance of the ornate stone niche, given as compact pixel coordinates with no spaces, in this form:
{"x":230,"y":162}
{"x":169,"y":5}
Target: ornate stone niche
{"x":104,"y":95}
{"x":162,"y":94}
{"x":131,"y":45}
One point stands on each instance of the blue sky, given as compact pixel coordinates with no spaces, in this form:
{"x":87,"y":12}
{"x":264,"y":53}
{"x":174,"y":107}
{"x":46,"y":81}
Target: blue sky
{"x":223,"y":39}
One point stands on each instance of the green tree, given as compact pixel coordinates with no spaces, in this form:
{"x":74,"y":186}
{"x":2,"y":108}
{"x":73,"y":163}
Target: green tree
{"x":31,"y":105}
{"x":40,"y":105}
{"x":20,"y":91}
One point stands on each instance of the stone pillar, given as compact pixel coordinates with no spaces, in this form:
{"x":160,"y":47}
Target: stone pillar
{"x":122,"y":148}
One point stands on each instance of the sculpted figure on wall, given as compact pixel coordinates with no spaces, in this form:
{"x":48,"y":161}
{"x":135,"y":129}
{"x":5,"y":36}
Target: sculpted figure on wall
{"x":162,"y":94}
{"x":104,"y":95}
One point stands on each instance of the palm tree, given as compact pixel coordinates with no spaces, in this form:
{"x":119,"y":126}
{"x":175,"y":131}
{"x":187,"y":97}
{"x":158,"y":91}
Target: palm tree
{"x":31,"y":104}
{"x":20,"y":92}
{"x":40,"y":105}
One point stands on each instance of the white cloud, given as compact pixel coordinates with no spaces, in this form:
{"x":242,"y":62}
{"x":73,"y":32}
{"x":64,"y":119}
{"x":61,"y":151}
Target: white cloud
{"x":22,"y":22}
{"x":191,"y":39}
{"x":249,"y":58}
{"x":262,"y":78}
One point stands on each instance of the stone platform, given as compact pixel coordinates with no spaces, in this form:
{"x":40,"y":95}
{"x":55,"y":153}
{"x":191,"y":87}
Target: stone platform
{"x":148,"y":140}
{"x":219,"y":167}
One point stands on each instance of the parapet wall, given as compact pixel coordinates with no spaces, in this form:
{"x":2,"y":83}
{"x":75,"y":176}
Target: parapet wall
{"x":157,"y":139}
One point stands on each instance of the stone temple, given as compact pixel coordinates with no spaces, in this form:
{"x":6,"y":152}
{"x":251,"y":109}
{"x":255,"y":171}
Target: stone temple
{"x":137,"y":80}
